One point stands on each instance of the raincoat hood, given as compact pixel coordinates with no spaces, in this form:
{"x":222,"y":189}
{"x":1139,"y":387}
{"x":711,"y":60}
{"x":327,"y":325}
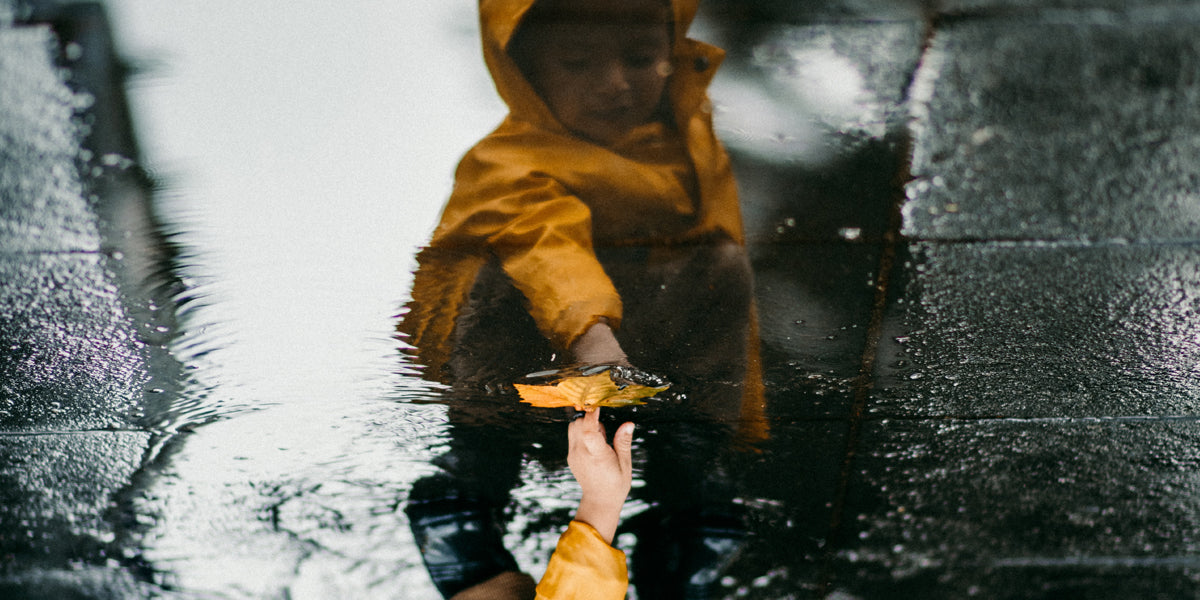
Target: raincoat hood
{"x":694,"y":62}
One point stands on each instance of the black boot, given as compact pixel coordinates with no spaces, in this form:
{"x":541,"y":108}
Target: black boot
{"x":460,"y":538}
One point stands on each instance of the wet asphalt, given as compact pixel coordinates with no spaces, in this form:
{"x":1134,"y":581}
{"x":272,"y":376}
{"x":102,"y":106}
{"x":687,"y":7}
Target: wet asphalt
{"x":980,"y":310}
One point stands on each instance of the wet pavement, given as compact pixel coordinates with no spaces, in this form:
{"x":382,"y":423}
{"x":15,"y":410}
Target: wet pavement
{"x":73,"y":373}
{"x":976,"y":238}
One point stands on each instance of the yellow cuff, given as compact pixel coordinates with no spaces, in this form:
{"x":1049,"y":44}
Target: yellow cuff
{"x":584,"y":567}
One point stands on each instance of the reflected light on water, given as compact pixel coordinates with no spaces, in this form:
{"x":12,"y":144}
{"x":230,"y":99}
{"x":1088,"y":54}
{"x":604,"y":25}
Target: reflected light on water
{"x":304,"y":153}
{"x":793,"y":99}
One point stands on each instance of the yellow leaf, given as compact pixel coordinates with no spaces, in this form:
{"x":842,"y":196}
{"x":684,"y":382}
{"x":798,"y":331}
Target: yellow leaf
{"x":585,"y":393}
{"x":632,"y":394}
{"x":546,"y":396}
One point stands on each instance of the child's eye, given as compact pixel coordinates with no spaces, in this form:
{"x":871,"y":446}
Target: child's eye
{"x":574,"y":64}
{"x":640,"y":61}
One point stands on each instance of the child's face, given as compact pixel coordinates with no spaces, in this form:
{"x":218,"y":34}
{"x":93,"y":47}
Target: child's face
{"x":601,"y":80}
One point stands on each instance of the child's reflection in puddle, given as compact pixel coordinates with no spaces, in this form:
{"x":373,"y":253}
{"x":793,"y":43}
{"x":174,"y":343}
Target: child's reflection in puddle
{"x":599,"y":224}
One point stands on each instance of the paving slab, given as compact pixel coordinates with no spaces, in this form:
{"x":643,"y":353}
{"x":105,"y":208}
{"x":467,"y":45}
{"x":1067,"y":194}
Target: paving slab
{"x":848,"y":198}
{"x":71,"y":361}
{"x":815,"y":119}
{"x":58,"y":493}
{"x":788,"y":510}
{"x":947,"y":508}
{"x":43,"y":206}
{"x":1067,"y":128}
{"x":1042,"y":330}
{"x":814,"y":307}
{"x":1103,"y":579}
{"x":72,"y":371}
{"x":80,"y":583}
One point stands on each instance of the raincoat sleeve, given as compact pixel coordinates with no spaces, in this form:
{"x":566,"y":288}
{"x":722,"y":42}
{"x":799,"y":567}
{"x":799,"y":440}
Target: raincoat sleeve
{"x":542,"y":235}
{"x":584,"y":567}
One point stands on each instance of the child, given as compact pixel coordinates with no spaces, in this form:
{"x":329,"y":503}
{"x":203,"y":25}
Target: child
{"x":598,"y":224}
{"x":608,"y":147}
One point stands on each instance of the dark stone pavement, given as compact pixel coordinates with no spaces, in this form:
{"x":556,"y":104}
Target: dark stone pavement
{"x":1006,"y":356}
{"x":980,"y":309}
{"x":80,"y":368}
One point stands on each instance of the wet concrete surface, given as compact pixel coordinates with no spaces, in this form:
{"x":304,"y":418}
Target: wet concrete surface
{"x":1113,"y":97}
{"x":44,"y":202}
{"x":1042,"y":330}
{"x":73,"y":371}
{"x":1023,"y":508}
{"x":45,"y":473}
{"x":980,"y":382}
{"x":72,"y":361}
{"x":1029,"y":432}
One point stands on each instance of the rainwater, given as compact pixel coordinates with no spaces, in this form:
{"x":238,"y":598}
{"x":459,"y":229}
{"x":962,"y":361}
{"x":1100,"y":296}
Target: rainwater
{"x":302,"y":157}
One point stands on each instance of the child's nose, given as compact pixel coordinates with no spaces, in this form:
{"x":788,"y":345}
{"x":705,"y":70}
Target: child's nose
{"x":615,"y":80}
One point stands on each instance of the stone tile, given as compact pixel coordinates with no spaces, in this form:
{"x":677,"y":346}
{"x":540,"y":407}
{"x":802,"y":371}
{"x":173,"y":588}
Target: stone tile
{"x":81,"y":582}
{"x":787,"y":498}
{"x":42,"y":200}
{"x":1101,"y":579}
{"x":69,"y":359}
{"x":1042,"y":330}
{"x":849,"y":198}
{"x":1074,"y":127}
{"x":815,"y":118}
{"x":814,"y":307}
{"x":1020,"y":508}
{"x":58,"y":493}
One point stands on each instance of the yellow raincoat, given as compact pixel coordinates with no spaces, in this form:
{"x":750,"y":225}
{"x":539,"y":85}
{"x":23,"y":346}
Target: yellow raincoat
{"x":539,"y":198}
{"x":584,"y":567}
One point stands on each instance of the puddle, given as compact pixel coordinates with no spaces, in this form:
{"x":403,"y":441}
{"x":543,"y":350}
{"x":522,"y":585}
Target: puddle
{"x":294,"y":183}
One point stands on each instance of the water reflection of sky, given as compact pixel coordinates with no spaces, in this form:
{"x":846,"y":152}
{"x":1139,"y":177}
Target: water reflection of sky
{"x":306,"y":149}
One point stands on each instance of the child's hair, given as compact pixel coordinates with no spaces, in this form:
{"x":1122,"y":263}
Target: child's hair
{"x":523,"y":44}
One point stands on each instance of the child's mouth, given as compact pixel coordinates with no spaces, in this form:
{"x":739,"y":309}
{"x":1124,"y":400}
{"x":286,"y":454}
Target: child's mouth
{"x":613,"y":113}
{"x":617,"y":116}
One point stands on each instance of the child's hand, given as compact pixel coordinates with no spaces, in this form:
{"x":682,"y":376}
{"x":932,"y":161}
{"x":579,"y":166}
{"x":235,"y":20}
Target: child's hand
{"x":598,"y":346}
{"x":605,"y":473}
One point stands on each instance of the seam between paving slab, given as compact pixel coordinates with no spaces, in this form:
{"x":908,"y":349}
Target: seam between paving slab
{"x":864,"y":381}
{"x":862,"y":385}
{"x":1064,"y":242}
{"x":40,"y":432}
{"x":1007,"y":419}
